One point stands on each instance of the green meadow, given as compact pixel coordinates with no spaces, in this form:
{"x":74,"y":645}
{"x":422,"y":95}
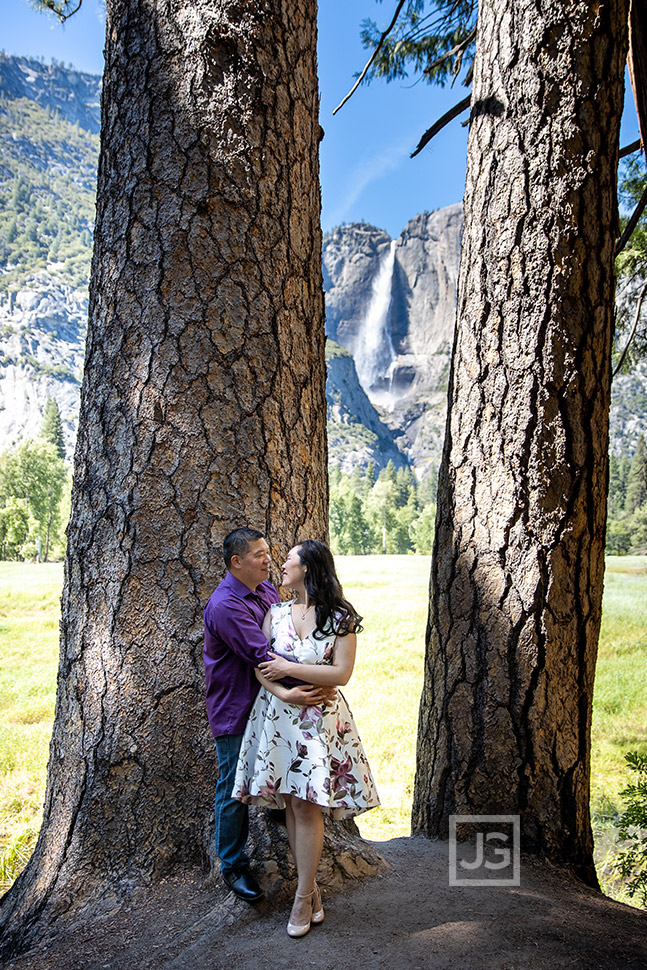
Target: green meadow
{"x":29,"y":616}
{"x":391,"y":594}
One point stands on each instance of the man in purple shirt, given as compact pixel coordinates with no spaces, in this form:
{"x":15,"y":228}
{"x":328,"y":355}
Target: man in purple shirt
{"x":234,"y":645}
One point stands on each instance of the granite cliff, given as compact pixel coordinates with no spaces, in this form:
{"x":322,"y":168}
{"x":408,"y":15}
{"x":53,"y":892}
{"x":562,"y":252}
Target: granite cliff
{"x":356,"y":435}
{"x":49,"y":119}
{"x":75,"y":96}
{"x":390,"y":303}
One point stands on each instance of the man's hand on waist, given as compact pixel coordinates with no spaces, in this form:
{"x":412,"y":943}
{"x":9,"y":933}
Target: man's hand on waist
{"x":309,"y":695}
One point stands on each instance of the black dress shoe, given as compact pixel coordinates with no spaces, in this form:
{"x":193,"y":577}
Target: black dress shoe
{"x":242,"y":883}
{"x":277,"y":815}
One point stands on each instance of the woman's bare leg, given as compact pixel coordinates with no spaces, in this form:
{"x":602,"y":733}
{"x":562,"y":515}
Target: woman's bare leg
{"x":290,"y":825}
{"x":307,"y":845}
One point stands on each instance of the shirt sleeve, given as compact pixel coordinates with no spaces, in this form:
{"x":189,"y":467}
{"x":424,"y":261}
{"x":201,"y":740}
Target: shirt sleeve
{"x":236,"y":627}
{"x":242,"y":634}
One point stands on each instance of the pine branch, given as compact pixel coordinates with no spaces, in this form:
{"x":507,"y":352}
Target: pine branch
{"x":442,"y":122}
{"x":57,"y":7}
{"x":459,"y":49}
{"x":630,"y":149}
{"x":372,"y":57}
{"x":631,"y":225}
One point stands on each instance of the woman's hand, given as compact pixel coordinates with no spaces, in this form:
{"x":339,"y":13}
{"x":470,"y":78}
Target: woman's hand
{"x":332,"y":674}
{"x":306,"y":695}
{"x":276,"y":668}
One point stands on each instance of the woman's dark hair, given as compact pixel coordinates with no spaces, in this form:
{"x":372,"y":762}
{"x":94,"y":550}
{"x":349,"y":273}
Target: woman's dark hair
{"x":322,"y":585}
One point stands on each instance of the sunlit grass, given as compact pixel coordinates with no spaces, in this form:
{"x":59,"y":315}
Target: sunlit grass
{"x":620,"y":695}
{"x":619,"y":704}
{"x":29,"y":618}
{"x":384,"y":692}
{"x":391,"y":592}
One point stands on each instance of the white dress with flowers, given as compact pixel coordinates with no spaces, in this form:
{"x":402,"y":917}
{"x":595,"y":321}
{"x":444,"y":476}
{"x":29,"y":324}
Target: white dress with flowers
{"x":314,"y":753}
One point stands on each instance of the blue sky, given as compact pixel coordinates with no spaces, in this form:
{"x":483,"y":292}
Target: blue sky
{"x":366,"y":172}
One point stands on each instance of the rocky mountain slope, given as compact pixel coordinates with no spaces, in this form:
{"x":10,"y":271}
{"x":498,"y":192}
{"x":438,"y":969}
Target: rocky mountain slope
{"x":75,"y":96}
{"x":356,"y":435}
{"x":390,"y":304}
{"x":42,"y":341}
{"x":49,"y":119}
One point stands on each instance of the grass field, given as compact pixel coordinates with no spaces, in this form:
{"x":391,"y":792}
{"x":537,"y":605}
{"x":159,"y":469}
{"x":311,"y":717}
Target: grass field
{"x":391,"y":593}
{"x":619,"y":703}
{"x":29,"y":615}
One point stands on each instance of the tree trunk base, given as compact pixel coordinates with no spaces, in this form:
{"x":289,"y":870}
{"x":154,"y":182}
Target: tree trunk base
{"x":346,"y":856}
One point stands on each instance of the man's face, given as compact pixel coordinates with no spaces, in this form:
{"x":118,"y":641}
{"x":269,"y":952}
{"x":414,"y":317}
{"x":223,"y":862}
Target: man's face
{"x":254,"y":567}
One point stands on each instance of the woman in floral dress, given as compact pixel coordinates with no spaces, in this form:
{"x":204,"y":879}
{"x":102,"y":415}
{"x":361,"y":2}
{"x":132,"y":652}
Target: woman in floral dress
{"x":307,"y":759}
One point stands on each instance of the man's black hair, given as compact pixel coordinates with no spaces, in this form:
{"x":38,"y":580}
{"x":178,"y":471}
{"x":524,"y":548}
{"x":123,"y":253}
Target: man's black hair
{"x":237,"y":543}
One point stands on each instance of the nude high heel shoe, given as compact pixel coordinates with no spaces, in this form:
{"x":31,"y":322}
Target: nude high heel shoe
{"x":295,"y":929}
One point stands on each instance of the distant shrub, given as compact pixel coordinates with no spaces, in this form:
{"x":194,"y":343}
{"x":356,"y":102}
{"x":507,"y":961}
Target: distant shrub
{"x":631,"y":860}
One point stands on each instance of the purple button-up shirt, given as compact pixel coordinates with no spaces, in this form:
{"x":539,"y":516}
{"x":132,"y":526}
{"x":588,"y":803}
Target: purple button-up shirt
{"x":233,"y":645}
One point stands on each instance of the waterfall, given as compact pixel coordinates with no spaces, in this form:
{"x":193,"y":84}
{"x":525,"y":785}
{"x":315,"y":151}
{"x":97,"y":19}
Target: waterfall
{"x":373,"y":351}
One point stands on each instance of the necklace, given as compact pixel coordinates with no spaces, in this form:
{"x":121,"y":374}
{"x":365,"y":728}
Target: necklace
{"x":305,"y":613}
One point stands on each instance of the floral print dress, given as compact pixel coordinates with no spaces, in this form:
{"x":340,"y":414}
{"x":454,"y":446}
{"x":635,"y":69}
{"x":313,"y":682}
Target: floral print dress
{"x":313,"y":752}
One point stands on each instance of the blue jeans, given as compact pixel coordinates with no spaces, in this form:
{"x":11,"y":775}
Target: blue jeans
{"x":232,"y":818}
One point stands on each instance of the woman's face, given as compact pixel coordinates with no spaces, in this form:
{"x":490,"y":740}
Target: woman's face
{"x":293,"y":570}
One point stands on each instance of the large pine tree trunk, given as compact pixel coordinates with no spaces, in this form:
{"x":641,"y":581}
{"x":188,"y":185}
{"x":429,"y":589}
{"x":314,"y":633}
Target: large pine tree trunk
{"x":202,"y":409}
{"x":518,"y":560}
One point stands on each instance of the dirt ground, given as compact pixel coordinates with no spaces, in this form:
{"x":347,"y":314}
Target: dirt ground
{"x":407,"y":918}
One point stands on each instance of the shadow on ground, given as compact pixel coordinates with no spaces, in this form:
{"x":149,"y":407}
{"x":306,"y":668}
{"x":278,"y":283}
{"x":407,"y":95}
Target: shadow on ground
{"x":408,"y":917}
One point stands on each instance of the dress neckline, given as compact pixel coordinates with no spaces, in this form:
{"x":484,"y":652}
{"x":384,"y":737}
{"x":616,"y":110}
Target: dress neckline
{"x":308,"y":635}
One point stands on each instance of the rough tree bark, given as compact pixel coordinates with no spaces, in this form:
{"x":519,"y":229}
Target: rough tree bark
{"x":518,"y":559}
{"x":203,"y":408}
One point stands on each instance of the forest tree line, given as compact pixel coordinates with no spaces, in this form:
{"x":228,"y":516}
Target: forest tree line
{"x":627,"y":509}
{"x":393,"y":513}
{"x":34,"y":494}
{"x":390,"y":513}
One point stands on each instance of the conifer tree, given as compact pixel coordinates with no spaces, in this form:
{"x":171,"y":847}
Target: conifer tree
{"x":359,"y":533}
{"x":203,"y":408}
{"x":389,"y":473}
{"x":637,"y":480}
{"x":518,"y":563}
{"x":615,"y":483}
{"x":52,"y":430}
{"x":357,"y":479}
{"x":625,"y":466}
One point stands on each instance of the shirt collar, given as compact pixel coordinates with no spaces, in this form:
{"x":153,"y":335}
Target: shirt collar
{"x":239,"y":588}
